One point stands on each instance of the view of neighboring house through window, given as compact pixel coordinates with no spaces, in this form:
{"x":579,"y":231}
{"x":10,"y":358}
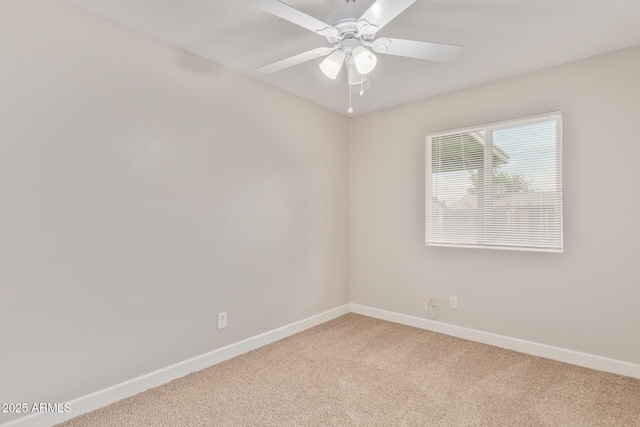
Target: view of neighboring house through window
{"x":496,"y":186}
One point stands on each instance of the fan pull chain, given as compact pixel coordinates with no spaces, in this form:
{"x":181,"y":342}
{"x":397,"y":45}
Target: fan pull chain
{"x":362,"y":87}
{"x":350,"y":110}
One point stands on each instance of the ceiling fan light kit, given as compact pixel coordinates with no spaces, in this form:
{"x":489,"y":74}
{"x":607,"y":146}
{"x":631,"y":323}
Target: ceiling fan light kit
{"x":332,"y":64}
{"x":365,"y":60}
{"x":350,"y":32}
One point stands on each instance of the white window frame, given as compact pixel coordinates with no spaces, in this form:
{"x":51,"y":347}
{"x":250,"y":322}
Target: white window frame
{"x":488,"y":160}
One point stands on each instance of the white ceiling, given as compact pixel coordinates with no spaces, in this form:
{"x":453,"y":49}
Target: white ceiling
{"x":501,"y":38}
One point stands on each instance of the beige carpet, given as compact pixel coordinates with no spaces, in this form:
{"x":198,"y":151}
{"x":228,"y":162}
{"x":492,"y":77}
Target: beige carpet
{"x":359,"y":371}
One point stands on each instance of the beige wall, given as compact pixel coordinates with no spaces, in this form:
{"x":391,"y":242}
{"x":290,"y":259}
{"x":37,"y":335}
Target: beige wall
{"x":585,"y":299}
{"x":143,"y":191}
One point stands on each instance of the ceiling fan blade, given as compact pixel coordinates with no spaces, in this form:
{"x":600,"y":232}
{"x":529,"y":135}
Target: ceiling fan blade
{"x":415,"y":49}
{"x":380,"y":14}
{"x":288,"y":13}
{"x":296,"y":59}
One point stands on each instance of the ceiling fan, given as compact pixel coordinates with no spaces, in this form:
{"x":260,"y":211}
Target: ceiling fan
{"x":351,"y":33}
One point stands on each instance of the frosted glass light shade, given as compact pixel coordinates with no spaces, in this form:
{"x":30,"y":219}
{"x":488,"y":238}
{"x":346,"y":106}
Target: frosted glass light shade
{"x":365,"y":60}
{"x":332,"y":64}
{"x":354,"y":77}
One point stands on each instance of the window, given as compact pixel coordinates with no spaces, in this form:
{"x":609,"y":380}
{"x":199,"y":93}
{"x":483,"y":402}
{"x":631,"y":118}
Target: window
{"x":496,"y":186}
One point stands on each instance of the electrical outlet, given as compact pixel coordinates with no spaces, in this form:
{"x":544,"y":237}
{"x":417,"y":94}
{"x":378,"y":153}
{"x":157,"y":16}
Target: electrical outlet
{"x":222,"y":320}
{"x":453,"y":302}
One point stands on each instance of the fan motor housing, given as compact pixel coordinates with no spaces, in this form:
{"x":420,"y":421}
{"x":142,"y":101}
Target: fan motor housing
{"x":345,"y":22}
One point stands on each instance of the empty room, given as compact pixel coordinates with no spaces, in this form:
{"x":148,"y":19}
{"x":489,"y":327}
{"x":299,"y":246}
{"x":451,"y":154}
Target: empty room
{"x":319,"y":213}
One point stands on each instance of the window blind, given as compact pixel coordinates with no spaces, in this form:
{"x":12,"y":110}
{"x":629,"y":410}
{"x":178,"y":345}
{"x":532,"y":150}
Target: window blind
{"x":496,"y":186}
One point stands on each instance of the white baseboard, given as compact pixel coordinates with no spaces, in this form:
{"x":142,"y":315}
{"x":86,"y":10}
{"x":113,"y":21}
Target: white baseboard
{"x":542,"y":350}
{"x":112,"y":394}
{"x":137,"y":385}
